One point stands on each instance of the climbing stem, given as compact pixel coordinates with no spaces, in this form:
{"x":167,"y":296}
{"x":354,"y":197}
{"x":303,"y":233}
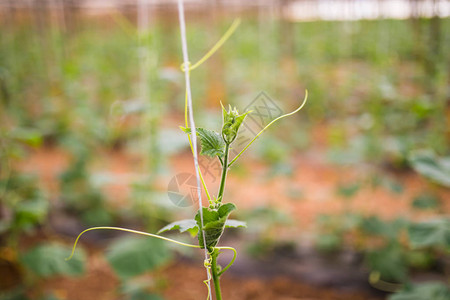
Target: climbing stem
{"x":215,"y":273}
{"x":224,"y":173}
{"x":232,"y":260}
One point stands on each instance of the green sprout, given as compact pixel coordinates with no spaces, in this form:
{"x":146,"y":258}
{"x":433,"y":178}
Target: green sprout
{"x":232,"y":120}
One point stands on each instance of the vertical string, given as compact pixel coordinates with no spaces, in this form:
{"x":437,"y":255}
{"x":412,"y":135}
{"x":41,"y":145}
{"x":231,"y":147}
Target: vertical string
{"x":192,"y":123}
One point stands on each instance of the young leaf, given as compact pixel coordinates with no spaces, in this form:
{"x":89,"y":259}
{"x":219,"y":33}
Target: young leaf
{"x":231,"y":123}
{"x":213,"y":232}
{"x":226,"y":209}
{"x":213,"y":224}
{"x":211,"y":141}
{"x":188,"y":225}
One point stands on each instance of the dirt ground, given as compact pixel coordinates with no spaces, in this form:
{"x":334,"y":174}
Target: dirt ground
{"x":184,"y":280}
{"x":308,"y":192}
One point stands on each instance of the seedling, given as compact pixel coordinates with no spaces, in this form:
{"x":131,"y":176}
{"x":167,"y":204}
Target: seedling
{"x":215,"y":216}
{"x":210,"y":222}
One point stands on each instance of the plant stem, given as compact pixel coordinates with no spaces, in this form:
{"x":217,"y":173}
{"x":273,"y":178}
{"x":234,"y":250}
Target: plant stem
{"x":224,"y":173}
{"x":215,"y":274}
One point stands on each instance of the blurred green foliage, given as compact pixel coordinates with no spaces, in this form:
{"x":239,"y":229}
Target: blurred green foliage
{"x":132,"y":256}
{"x":435,"y":168}
{"x":81,"y":197}
{"x":49,"y":260}
{"x":381,"y":242}
{"x":426,"y":201}
{"x":24,"y":205}
{"x":427,"y":290}
{"x":376,"y":89}
{"x":364,"y":78}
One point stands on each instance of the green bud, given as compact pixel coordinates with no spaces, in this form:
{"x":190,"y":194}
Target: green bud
{"x":231,"y":123}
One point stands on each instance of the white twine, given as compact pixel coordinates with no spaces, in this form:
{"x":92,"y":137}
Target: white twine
{"x":192,"y":123}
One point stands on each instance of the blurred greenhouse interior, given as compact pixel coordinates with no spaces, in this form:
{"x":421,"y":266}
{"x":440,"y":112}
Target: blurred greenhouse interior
{"x":347,"y":199}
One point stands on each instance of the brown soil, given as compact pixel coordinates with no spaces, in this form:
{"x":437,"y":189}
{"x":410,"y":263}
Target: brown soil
{"x":311,"y":190}
{"x":183,"y":280}
{"x":186,"y":283}
{"x":308,"y":192}
{"x":99,"y":283}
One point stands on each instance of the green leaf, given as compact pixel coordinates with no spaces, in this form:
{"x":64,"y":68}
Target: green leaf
{"x":431,"y":233}
{"x":428,"y":290}
{"x":226,"y":209}
{"x":189,"y":225}
{"x":209,"y":215}
{"x":211,"y":142}
{"x":239,"y":120}
{"x":235,"y":224}
{"x":131,"y":256}
{"x":213,"y":224}
{"x":49,"y":260}
{"x":432,"y":167}
{"x":213,"y":232}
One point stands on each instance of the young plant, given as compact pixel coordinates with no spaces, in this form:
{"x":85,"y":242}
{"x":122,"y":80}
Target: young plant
{"x":210,"y":222}
{"x":215,"y":216}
